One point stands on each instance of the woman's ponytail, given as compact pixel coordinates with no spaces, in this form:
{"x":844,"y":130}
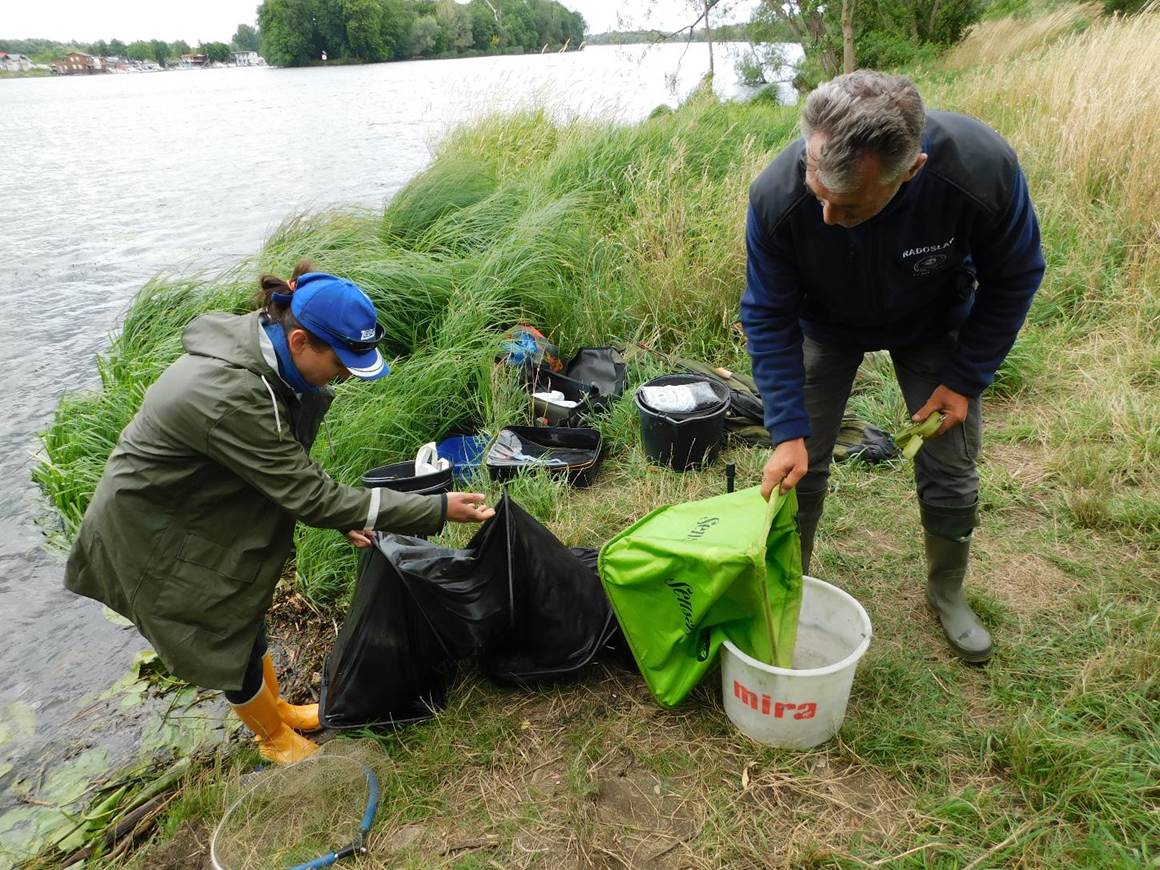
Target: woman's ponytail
{"x":268,"y":285}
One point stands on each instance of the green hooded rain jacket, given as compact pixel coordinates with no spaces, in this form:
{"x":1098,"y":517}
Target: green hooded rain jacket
{"x":192,"y":522}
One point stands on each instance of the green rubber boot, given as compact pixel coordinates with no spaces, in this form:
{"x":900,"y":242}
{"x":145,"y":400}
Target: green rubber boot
{"x":948,"y":546}
{"x":809,"y":512}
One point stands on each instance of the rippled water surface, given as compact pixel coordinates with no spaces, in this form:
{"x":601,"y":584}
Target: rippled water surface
{"x":107,"y":180}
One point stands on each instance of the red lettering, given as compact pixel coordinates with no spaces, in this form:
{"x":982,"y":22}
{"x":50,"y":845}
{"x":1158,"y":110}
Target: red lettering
{"x":806,"y":710}
{"x":746,"y":696}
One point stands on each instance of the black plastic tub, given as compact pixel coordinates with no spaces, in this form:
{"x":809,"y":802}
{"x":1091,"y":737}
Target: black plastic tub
{"x":683,"y":441}
{"x":574,"y":452}
{"x":545,"y":380}
{"x":401,"y":477}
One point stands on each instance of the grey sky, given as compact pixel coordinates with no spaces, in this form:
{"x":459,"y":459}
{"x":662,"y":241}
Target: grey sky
{"x":216,"y":20}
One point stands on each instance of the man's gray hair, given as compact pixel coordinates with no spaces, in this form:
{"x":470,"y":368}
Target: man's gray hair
{"x":860,"y":112}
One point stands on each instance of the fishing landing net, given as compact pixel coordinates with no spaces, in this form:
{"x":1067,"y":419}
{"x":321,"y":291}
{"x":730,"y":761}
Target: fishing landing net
{"x":304,"y":815}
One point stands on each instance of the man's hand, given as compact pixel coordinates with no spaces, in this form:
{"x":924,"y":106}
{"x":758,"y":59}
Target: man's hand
{"x":785,"y":467}
{"x":361,"y":538}
{"x":952,"y":405}
{"x":468,"y":507}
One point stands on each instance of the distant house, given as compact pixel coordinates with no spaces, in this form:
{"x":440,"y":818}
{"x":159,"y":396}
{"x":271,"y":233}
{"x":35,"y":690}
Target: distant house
{"x":78,"y":63}
{"x":246,"y":58}
{"x":13,"y":62}
{"x":193,"y":61}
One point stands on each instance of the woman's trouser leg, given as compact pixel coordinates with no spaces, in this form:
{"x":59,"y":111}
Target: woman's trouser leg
{"x":257,"y":707}
{"x":252,"y":682}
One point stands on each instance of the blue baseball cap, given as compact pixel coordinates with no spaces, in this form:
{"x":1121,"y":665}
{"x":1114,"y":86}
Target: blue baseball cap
{"x":340,"y":313}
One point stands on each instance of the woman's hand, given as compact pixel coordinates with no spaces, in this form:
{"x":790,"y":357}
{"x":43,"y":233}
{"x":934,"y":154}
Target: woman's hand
{"x":468,"y":507}
{"x":361,"y":538}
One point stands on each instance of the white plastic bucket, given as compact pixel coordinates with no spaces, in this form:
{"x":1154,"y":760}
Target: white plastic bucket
{"x":800,"y":707}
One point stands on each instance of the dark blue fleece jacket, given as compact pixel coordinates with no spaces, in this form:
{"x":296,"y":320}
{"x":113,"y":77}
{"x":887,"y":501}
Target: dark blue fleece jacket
{"x":956,"y":249}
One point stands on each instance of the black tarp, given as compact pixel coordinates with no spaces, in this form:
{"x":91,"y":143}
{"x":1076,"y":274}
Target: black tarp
{"x":529,"y":607}
{"x":603,"y":368}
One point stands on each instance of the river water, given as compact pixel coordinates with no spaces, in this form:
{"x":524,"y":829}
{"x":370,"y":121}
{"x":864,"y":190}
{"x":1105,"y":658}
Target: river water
{"x":108,"y":180}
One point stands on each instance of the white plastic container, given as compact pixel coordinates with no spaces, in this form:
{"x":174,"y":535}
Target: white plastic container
{"x":800,"y":707}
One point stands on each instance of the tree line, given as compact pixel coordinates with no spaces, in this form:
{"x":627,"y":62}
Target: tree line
{"x":878,"y":34}
{"x":838,"y":35}
{"x":736,"y":32}
{"x":147,"y":50}
{"x":299,"y":32}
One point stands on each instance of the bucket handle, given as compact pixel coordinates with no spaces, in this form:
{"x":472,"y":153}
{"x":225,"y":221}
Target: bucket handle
{"x":660,"y":415}
{"x":428,"y":460}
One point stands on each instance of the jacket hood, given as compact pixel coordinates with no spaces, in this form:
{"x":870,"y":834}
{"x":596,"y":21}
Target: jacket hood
{"x":233,"y":338}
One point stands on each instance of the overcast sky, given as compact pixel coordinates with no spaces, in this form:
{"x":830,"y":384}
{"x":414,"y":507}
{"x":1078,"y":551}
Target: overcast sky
{"x":216,"y":20}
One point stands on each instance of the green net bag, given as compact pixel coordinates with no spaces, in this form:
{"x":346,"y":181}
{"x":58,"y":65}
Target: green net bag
{"x":688,"y":576}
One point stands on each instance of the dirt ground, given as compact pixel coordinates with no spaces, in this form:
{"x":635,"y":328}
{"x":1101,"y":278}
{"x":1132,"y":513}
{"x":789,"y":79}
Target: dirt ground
{"x":187,"y":849}
{"x":300,"y":637}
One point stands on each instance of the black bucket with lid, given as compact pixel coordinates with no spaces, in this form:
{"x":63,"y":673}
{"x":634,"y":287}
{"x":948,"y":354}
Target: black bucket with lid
{"x":683,"y":440}
{"x":401,"y":477}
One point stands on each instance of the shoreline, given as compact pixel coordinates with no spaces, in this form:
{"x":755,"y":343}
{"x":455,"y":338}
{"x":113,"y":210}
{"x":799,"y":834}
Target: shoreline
{"x":593,"y":230}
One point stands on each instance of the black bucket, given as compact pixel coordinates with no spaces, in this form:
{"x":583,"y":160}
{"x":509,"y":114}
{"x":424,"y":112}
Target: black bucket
{"x":683,"y":440}
{"x":401,"y":477}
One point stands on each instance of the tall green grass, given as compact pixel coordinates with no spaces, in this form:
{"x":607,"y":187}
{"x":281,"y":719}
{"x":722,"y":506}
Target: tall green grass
{"x":587,"y":230}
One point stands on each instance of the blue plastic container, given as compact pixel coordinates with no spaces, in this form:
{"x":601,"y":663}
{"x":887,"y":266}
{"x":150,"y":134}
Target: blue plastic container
{"x":465,"y":453}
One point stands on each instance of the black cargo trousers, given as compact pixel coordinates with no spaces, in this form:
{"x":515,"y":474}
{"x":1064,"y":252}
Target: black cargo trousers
{"x":944,"y":469}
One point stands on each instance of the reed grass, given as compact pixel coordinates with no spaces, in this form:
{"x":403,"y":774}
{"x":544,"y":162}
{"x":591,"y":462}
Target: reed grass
{"x":1047,"y":757}
{"x":998,"y":40}
{"x":1083,"y":115}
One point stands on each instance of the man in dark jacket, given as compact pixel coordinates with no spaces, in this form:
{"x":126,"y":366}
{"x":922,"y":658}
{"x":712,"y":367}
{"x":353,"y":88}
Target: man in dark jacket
{"x":889,"y":227}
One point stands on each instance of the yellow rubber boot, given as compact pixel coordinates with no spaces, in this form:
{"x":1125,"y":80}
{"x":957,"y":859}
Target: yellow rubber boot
{"x":276,"y":740}
{"x":302,"y":717}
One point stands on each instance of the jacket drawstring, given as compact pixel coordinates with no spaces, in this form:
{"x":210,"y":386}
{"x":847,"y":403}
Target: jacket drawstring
{"x":274,"y":402}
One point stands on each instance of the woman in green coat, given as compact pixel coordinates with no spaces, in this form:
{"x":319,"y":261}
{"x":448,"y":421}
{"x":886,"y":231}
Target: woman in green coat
{"x":192,"y":522}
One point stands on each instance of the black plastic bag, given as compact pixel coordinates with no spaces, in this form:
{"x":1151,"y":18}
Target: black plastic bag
{"x":527,"y":605}
{"x":417,"y":610}
{"x":387,"y":666}
{"x":603,"y":368}
{"x":560,"y":616}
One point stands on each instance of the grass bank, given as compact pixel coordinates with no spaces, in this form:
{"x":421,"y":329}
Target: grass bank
{"x":1047,"y":757}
